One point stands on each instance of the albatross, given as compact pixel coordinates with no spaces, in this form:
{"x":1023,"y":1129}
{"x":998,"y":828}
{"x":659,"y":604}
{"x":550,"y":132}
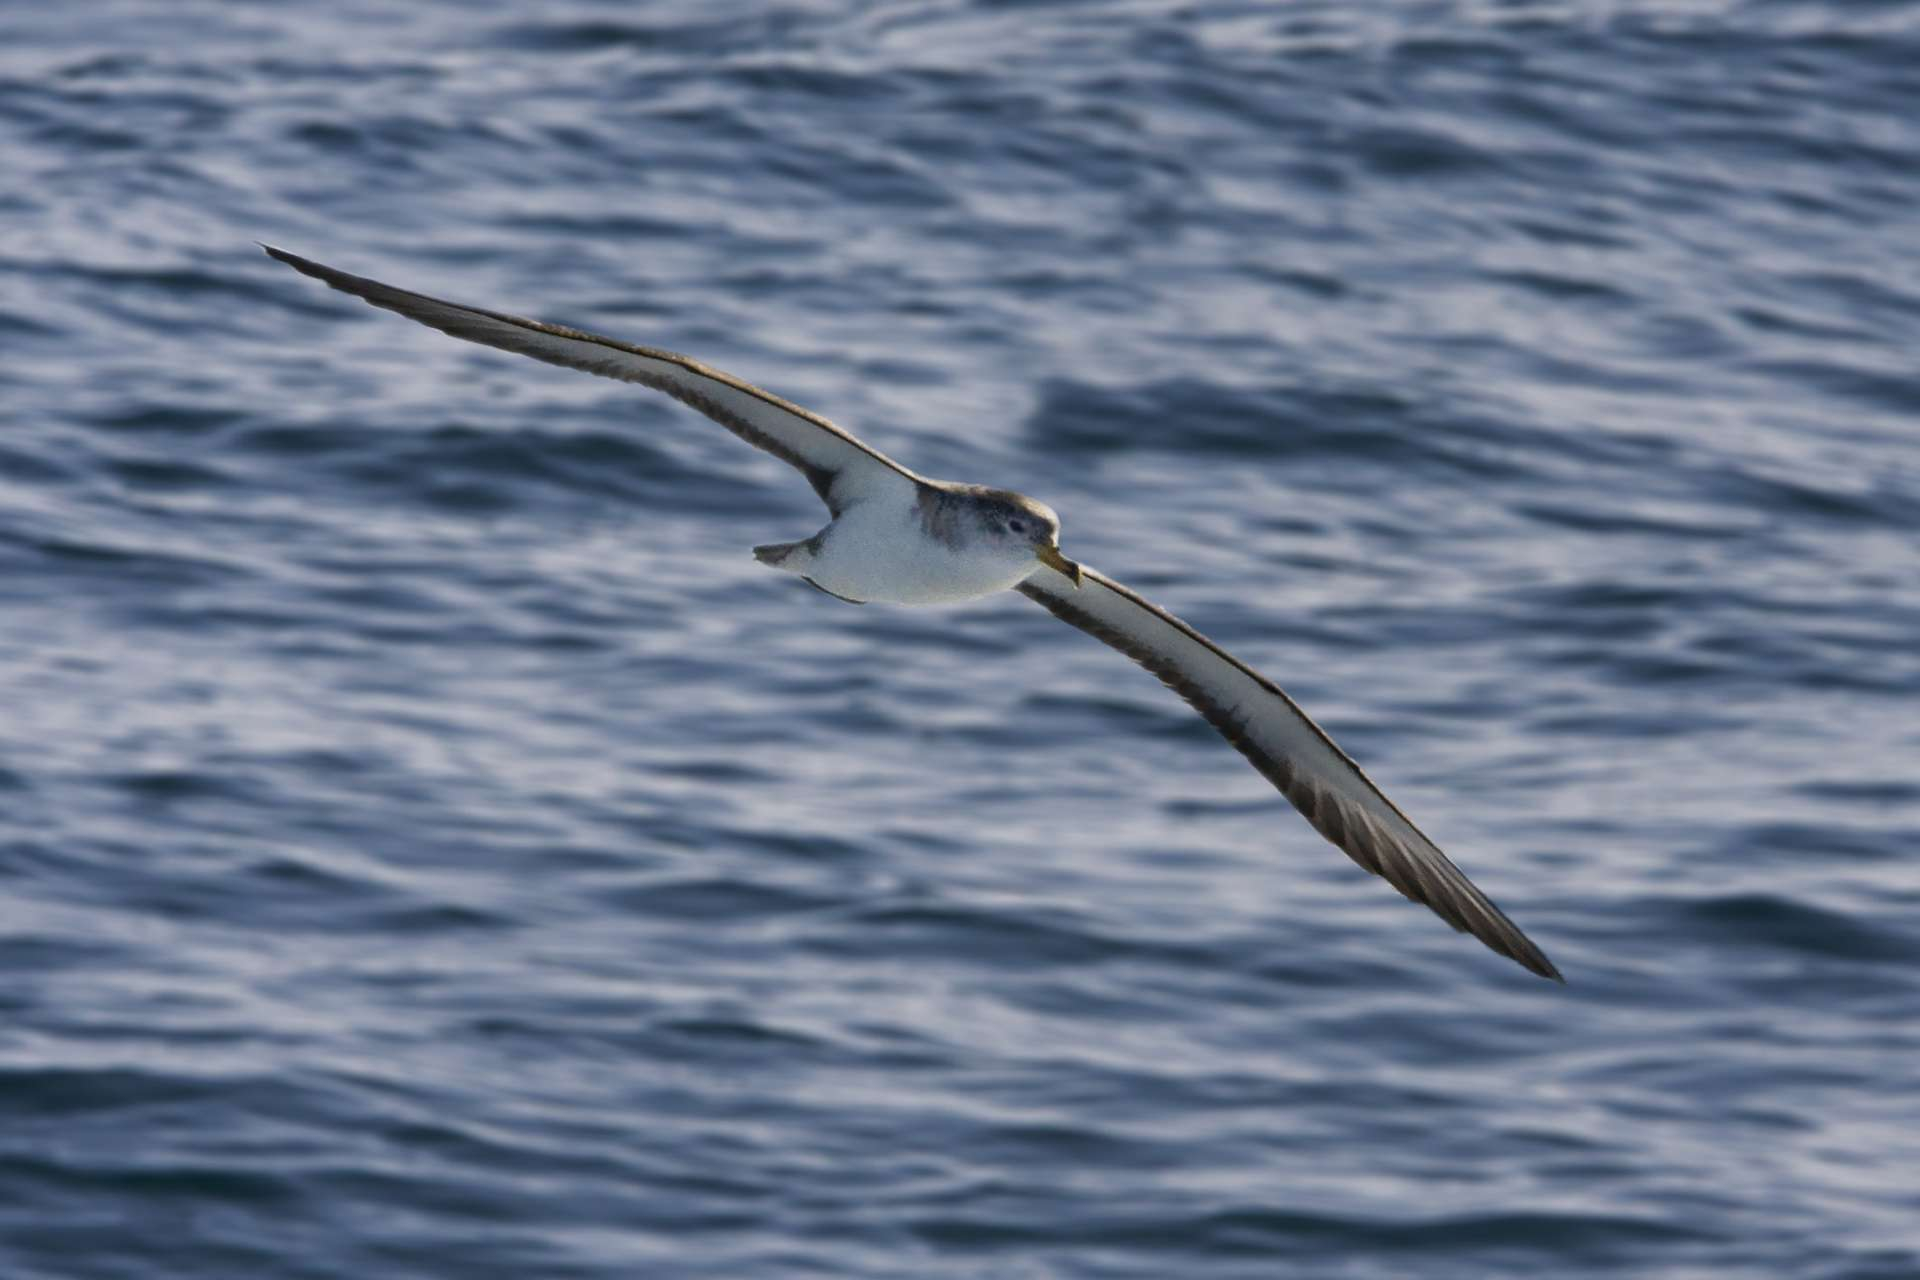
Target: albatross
{"x":901,"y":538}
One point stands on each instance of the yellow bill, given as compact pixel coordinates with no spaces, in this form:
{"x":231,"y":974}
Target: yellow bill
{"x":1051,"y":557}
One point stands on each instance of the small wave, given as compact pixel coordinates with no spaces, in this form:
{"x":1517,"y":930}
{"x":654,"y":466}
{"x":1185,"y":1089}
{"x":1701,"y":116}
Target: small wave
{"x":1770,"y":922}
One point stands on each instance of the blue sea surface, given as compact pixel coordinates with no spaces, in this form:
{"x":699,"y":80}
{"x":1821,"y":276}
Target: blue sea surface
{"x":431,"y":846}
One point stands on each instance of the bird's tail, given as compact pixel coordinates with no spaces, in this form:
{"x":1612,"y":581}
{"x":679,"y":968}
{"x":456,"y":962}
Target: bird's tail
{"x":782,"y":555}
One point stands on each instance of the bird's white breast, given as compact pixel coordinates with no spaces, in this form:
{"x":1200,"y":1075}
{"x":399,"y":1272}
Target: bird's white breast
{"x":880,"y":550}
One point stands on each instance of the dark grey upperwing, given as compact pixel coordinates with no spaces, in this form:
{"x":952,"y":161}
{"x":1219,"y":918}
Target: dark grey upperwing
{"x":1289,"y":749}
{"x":840,"y":468}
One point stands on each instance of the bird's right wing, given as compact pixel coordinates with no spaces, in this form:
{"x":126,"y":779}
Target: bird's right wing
{"x":840,"y":468}
{"x":1289,"y":749}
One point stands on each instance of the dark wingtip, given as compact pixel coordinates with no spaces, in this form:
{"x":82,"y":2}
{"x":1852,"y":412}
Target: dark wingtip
{"x":294,"y":260}
{"x":1534,"y":960}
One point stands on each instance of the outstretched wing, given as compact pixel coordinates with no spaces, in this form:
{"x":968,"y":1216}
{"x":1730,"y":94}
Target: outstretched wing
{"x":839,"y":467}
{"x":1293,"y":752}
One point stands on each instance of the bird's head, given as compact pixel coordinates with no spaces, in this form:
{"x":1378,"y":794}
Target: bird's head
{"x":1024,"y":529}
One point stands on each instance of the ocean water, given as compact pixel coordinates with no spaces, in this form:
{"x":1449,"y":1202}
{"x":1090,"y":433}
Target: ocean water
{"x":431,"y":846}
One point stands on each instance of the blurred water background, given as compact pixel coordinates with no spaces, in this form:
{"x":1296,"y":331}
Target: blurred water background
{"x":431,"y":846}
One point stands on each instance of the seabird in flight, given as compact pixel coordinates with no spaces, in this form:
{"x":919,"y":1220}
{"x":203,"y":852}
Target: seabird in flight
{"x":901,"y":538}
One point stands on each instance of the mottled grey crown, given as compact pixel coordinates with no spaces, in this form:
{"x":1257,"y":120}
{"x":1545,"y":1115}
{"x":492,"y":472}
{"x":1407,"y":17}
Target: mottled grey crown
{"x":955,"y":513}
{"x":999,"y":507}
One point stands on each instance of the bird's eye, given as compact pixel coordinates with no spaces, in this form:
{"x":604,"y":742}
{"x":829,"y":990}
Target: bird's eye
{"x":1018,"y":526}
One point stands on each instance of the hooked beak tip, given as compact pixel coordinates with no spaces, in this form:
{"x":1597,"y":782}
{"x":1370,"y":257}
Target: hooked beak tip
{"x":1051,"y":557}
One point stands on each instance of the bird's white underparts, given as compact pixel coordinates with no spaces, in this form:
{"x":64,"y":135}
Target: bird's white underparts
{"x":901,"y":538}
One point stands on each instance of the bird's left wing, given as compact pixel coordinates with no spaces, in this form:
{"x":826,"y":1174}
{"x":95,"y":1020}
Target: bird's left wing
{"x":840,"y":467}
{"x":1289,"y":749}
